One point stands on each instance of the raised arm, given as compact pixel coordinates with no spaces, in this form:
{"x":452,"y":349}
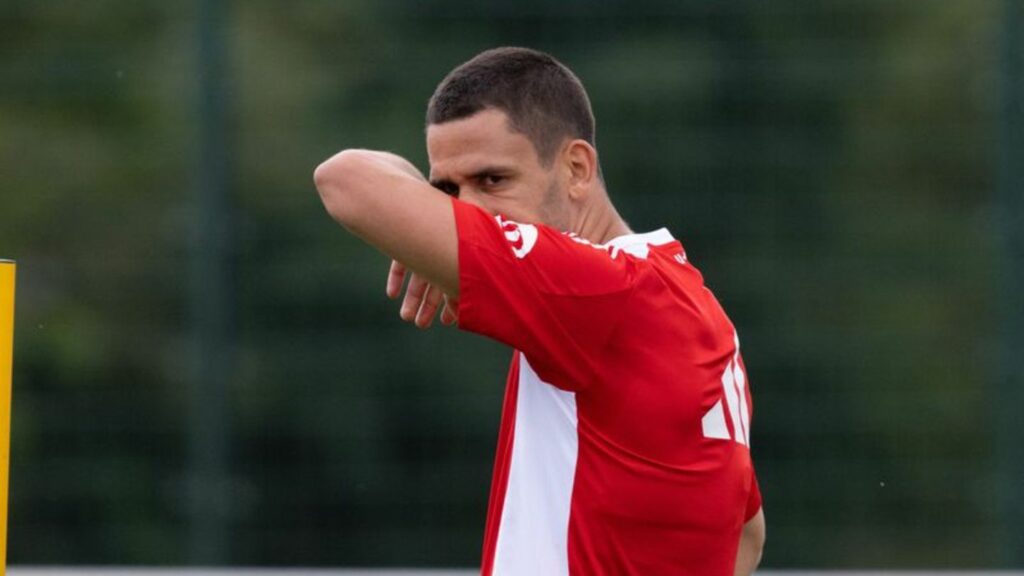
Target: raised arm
{"x":384,"y":200}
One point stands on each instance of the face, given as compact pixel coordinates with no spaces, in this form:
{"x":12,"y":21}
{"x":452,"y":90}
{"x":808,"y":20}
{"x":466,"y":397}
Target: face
{"x":481,"y":160}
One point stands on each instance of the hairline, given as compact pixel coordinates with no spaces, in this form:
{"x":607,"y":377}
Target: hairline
{"x":510,"y":124}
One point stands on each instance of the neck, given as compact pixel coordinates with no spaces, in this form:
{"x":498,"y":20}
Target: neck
{"x":599,"y":221}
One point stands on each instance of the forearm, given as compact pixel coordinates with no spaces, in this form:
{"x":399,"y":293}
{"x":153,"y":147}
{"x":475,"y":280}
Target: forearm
{"x":398,"y":164}
{"x":384,"y":200}
{"x":353,"y":182}
{"x":357,"y":167}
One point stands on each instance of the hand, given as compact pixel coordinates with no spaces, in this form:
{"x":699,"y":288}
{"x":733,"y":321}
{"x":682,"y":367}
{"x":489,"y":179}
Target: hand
{"x":422,"y":300}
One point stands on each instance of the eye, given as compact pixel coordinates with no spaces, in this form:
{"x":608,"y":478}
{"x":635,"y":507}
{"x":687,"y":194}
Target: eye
{"x":491,"y":179}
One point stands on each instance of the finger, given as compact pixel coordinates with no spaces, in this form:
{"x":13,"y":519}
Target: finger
{"x":395,"y":278}
{"x":413,"y":297}
{"x":450,"y":314}
{"x":428,"y":309}
{"x":447,"y":316}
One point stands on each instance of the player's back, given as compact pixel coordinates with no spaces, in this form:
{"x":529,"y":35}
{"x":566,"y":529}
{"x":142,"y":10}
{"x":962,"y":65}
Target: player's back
{"x":664,"y":466}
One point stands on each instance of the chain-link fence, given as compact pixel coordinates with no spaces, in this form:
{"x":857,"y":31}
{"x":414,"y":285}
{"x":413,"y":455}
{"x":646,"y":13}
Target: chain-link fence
{"x":207,"y":370}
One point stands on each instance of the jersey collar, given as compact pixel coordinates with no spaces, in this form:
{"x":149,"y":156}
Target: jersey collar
{"x":639,"y":244}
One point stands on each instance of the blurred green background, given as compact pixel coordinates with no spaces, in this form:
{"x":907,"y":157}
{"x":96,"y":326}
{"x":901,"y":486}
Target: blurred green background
{"x":207,"y":370}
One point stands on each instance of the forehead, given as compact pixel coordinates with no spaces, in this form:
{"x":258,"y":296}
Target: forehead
{"x":462,"y":146}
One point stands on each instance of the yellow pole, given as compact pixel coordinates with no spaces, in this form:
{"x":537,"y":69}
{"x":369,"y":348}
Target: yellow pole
{"x":7,"y":270}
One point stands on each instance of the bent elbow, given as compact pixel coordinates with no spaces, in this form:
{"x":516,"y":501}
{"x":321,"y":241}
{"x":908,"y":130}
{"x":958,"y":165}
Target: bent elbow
{"x":334,"y":179}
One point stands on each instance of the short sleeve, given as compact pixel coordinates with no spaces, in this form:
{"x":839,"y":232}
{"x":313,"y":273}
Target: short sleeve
{"x":554,"y":297}
{"x":753,"y":500}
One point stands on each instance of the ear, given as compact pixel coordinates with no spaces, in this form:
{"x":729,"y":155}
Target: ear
{"x":581,"y":161}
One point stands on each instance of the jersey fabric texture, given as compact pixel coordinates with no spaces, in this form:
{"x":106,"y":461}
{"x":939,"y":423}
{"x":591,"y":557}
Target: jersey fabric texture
{"x":624,"y":439}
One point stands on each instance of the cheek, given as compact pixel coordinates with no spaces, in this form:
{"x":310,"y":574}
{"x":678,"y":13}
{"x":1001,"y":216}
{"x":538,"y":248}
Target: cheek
{"x":555,"y":205}
{"x":475,"y":199}
{"x":536,"y":201}
{"x":494,"y":205}
{"x":510,"y":203}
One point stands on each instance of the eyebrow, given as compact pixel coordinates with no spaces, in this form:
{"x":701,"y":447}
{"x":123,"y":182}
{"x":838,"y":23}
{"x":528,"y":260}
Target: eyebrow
{"x":440,"y":183}
{"x":488,"y":170}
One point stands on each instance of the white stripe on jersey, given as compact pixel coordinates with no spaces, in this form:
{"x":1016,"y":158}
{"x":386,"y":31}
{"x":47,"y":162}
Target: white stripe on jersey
{"x":533,"y":537}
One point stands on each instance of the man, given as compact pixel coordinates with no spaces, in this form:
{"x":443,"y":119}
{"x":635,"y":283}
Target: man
{"x":624,"y":443}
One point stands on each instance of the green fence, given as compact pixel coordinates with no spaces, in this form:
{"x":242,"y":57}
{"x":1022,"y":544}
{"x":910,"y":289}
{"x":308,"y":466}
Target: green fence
{"x":207,"y":370}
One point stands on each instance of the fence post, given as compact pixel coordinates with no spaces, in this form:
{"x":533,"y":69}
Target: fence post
{"x":210,"y":300}
{"x":1009,"y":389}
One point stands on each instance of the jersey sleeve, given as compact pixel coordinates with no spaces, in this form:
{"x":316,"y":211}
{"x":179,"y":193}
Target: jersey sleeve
{"x":555,"y":298}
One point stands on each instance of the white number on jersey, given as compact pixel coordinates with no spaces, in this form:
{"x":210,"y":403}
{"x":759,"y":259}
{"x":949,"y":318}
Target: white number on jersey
{"x":734,"y":388}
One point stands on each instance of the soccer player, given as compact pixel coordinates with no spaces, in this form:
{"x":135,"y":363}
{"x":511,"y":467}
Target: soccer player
{"x":624,"y":446}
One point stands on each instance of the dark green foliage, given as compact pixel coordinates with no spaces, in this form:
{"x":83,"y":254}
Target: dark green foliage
{"x":829,"y":167}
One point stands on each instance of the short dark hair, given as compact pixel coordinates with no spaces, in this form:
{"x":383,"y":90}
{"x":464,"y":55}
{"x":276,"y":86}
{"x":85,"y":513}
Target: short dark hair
{"x":543,"y":99}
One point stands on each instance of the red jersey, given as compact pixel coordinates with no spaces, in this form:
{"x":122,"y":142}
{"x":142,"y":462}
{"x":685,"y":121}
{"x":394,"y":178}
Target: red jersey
{"x":625,"y":433}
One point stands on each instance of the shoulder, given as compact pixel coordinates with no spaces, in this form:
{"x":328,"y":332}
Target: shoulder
{"x":568,"y":265}
{"x":556,"y":262}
